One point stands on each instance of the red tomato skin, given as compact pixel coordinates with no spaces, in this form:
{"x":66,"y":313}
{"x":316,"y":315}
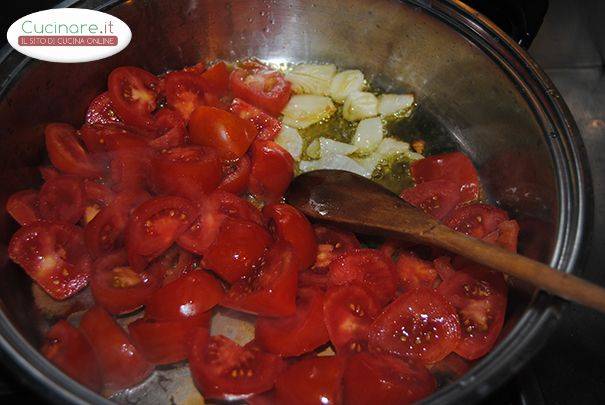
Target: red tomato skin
{"x":215,"y":364}
{"x":170,"y":128}
{"x":184,"y":92}
{"x":238,"y":247}
{"x":129,"y":168}
{"x":188,"y":297}
{"x":465,"y":219}
{"x":68,"y":349}
{"x":297,"y":334}
{"x":348,"y":313}
{"x":53,"y":255}
{"x":293,"y":227}
{"x":110,"y":289}
{"x":414,"y":272}
{"x":133,"y":107}
{"x":439,"y":330}
{"x":236,"y":175}
{"x":190,"y":171}
{"x":23,"y":206}
{"x":231,"y":135}
{"x":62,"y":199}
{"x":267,"y":126}
{"x":272,"y":170}
{"x":369,"y":268}
{"x":121,"y":363}
{"x":505,"y":236}
{"x":436,"y":197}
{"x":216,"y":79}
{"x":101,"y":111}
{"x":66,"y":152}
{"x":314,"y":380}
{"x":455,"y":167}
{"x":163,"y":342}
{"x":382,"y":379}
{"x":97,"y":193}
{"x":271,"y":289}
{"x":249,"y":83}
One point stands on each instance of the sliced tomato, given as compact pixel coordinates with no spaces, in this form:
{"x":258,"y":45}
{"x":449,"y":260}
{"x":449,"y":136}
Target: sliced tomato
{"x":67,"y":153}
{"x":272,"y":170}
{"x":455,"y":167}
{"x":222,"y":369}
{"x":382,"y":379}
{"x":213,"y":211}
{"x":101,"y":111}
{"x":479,"y":297}
{"x":261,"y":86}
{"x":184,"y":92}
{"x":216,"y":79}
{"x":105,"y":232}
{"x":268,"y":127}
{"x":236,"y":174}
{"x":121,"y":363}
{"x":68,"y":349}
{"x":188,"y":171}
{"x":221,"y":129}
{"x":163,"y":342}
{"x":133,"y":94}
{"x":62,"y":199}
{"x":506,"y":235}
{"x":420,"y":324}
{"x":369,"y":268}
{"x":173,"y":264}
{"x":314,"y":380}
{"x":111,"y":138}
{"x":156,"y":224}
{"x":348,"y":313}
{"x":118,"y":288}
{"x":23,"y":206}
{"x":296,"y":334}
{"x":170,"y":129}
{"x":188,"y":297}
{"x":97,"y":193}
{"x":239,"y":245}
{"x":436,"y":197}
{"x":129,"y":168}
{"x":48,"y":173}
{"x":271,"y":289}
{"x":54,"y":255}
{"x":476,"y":220}
{"x":292,"y":226}
{"x":444,"y":267}
{"x":414,"y":272}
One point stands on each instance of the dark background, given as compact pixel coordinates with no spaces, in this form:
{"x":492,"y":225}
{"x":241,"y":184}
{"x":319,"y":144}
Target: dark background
{"x":569,"y":43}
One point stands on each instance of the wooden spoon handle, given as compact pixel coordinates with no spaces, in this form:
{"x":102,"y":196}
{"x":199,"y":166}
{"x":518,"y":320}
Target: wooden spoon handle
{"x":543,"y":276}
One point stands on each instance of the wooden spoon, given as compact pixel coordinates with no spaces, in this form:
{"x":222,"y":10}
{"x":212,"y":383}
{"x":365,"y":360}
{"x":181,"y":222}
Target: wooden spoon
{"x":360,"y":205}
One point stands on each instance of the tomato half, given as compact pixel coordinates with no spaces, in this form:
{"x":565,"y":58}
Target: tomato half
{"x":267,"y":126}
{"x":188,"y":297}
{"x":296,"y":334}
{"x":348,"y":313}
{"x":184,"y":92}
{"x":272,"y":170}
{"x":173,"y":264}
{"x":222,"y":369}
{"x":155,"y":225}
{"x":129,"y":168}
{"x":506,"y":235}
{"x":315,"y":380}
{"x":382,"y":379}
{"x":23,"y":206}
{"x":68,"y":349}
{"x":118,"y":288}
{"x":479,"y":296}
{"x":121,"y":363}
{"x":231,"y":135}
{"x":62,"y":199}
{"x":54,"y":255}
{"x":370,"y":269}
{"x":261,"y":86}
{"x":414,"y":272}
{"x":163,"y":342}
{"x":133,"y":94}
{"x":101,"y":111}
{"x":292,"y":226}
{"x":188,"y":171}
{"x":455,"y":167}
{"x":48,"y":172}
{"x":67,"y":153}
{"x":420,"y":324}
{"x":236,"y":174}
{"x":216,"y":79}
{"x":239,"y":245}
{"x":170,"y":129}
{"x":476,"y":220}
{"x":436,"y":197}
{"x":271,"y":289}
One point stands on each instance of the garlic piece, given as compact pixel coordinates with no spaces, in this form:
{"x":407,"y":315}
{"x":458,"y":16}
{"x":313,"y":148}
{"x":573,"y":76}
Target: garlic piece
{"x":360,"y":105}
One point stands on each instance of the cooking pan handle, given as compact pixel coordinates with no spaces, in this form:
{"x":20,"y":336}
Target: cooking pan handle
{"x":521,"y":19}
